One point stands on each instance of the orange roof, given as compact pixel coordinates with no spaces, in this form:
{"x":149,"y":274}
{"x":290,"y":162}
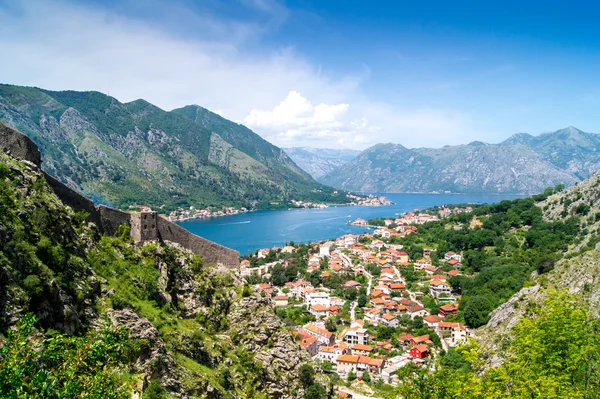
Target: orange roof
{"x":316,"y":330}
{"x":405,"y":337}
{"x":438,"y":277}
{"x":447,"y":324}
{"x":377,"y":301}
{"x":281,"y":298}
{"x":422,"y":338}
{"x":361,"y":347}
{"x":438,"y":282}
{"x":388,"y":317}
{"x":318,"y":308}
{"x":452,"y":262}
{"x":422,"y":348}
{"x":432,"y":319}
{"x":347,"y":359}
{"x":308,"y":341}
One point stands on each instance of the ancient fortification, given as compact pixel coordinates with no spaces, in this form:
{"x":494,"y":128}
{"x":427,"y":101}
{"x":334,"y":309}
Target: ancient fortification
{"x":145,"y":226}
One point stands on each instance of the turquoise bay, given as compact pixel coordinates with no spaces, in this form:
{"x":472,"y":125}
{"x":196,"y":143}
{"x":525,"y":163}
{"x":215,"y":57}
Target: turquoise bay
{"x":263,"y":229}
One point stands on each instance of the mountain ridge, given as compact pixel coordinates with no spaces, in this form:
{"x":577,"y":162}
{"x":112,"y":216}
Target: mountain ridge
{"x":521,"y":164}
{"x":319,"y":161}
{"x":135,"y":153}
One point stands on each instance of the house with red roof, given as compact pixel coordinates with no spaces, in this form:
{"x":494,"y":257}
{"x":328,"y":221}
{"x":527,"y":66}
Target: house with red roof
{"x":419,"y":351}
{"x":449,"y":309}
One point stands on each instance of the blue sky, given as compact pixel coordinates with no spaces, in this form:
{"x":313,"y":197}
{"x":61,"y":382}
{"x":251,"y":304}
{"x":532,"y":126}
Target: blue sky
{"x":325,"y":73}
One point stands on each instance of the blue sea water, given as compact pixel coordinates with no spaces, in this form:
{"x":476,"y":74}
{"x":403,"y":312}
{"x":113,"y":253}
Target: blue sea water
{"x":265,"y":229}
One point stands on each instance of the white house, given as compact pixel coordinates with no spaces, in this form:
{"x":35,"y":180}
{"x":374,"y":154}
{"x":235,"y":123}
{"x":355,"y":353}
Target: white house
{"x":439,"y":288}
{"x":318,"y":298}
{"x":453,"y":255}
{"x":388,"y":320}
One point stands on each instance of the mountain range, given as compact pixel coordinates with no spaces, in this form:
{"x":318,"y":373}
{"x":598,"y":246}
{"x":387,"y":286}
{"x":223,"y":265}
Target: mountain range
{"x":319,"y":162}
{"x":136,"y":153}
{"x":522,"y":164}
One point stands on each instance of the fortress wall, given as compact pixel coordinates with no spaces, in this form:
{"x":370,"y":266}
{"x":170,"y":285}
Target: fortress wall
{"x":73,"y":199}
{"x":211,"y":252}
{"x":18,"y":145}
{"x":111,"y":219}
{"x":145,"y":226}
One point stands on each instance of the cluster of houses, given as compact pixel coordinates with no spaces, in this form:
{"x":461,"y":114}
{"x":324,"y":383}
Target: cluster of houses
{"x":192,"y":213}
{"x":370,"y":200}
{"x":389,"y":302}
{"x":308,"y":205}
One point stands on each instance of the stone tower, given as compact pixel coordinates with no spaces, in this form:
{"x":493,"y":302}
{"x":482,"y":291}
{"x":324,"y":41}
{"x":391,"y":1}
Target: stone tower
{"x":144,"y":226}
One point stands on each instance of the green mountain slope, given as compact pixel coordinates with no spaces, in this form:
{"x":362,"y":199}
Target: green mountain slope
{"x":98,"y":316}
{"x":137,"y":153}
{"x":522,"y":164}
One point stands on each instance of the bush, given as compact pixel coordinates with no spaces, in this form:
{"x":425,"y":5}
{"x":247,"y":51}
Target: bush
{"x":33,"y":285}
{"x":155,"y":391}
{"x":58,"y":366}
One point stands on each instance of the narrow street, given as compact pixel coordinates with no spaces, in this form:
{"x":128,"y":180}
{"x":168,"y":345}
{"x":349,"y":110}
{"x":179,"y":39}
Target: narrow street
{"x":355,"y":395}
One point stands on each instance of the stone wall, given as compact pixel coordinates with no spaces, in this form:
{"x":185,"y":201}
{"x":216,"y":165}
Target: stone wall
{"x":211,"y":252}
{"x":111,"y":219}
{"x":73,"y":199}
{"x":145,"y":226}
{"x":18,"y":145}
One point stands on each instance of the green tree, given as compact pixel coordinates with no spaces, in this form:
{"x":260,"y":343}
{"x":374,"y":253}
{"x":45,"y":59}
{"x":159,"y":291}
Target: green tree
{"x":351,"y":376}
{"x":366,"y":377}
{"x":331,"y":324}
{"x":477,"y":310}
{"x":307,"y":375}
{"x":361,"y":301}
{"x":315,"y":391}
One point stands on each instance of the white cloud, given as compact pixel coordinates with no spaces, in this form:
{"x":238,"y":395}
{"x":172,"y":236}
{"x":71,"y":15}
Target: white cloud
{"x":296,"y":120}
{"x":221,"y":65}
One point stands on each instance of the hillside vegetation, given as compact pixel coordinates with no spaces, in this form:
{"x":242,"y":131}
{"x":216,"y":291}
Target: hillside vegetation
{"x":136,"y":153}
{"x":87,"y":315}
{"x":544,"y":341}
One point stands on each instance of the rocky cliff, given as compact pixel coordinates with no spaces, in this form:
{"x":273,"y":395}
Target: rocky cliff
{"x":319,"y":162}
{"x":576,"y":273}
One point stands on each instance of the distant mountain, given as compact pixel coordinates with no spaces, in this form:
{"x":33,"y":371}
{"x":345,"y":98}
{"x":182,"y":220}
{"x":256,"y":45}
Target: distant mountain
{"x":137,"y":153}
{"x":523,"y":164}
{"x":320,"y":161}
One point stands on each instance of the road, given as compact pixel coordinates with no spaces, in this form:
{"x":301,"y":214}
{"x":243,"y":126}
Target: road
{"x":370,"y":277}
{"x":355,"y":395}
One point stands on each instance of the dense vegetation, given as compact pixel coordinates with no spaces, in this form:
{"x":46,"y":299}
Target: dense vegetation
{"x":498,"y":256}
{"x":54,"y":366}
{"x":90,"y":315}
{"x":553,"y":354}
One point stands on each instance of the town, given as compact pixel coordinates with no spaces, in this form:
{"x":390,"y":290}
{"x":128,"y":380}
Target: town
{"x":181,"y":214}
{"x":365,"y":308}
